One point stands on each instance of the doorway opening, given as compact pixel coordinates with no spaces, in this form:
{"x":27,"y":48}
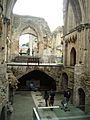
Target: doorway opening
{"x":73,"y":57}
{"x":41,"y":81}
{"x":81,"y":99}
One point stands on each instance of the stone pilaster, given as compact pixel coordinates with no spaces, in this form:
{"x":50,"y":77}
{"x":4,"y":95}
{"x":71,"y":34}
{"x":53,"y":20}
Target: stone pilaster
{"x":81,"y":81}
{"x":3,"y":86}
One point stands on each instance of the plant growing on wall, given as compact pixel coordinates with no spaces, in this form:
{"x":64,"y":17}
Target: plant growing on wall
{"x":12,"y":80}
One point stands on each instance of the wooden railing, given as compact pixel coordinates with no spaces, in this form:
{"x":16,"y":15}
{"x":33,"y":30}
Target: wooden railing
{"x":33,"y":60}
{"x":26,"y":59}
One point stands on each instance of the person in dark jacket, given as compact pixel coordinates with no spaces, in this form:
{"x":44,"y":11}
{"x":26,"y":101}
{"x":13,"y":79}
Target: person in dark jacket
{"x":67,"y":95}
{"x":51,"y":100}
{"x":65,"y":101}
{"x":46,"y":97}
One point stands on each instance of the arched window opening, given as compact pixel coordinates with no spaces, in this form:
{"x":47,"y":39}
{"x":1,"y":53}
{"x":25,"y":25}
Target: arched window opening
{"x":73,"y":57}
{"x":28,"y":45}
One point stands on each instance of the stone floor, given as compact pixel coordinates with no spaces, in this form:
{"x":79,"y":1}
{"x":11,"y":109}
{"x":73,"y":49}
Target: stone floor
{"x":23,"y":105}
{"x":39,"y":100}
{"x":24,"y":101}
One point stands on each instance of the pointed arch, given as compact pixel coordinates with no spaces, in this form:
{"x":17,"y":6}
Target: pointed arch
{"x":39,"y":78}
{"x":81,"y":94}
{"x":73,"y":57}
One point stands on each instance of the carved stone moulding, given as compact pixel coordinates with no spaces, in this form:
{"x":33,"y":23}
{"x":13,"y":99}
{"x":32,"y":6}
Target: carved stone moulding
{"x":72,"y":38}
{"x":83,"y":27}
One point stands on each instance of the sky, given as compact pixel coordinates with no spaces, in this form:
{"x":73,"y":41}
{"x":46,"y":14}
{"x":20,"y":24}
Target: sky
{"x":23,"y":39}
{"x":50,"y":10}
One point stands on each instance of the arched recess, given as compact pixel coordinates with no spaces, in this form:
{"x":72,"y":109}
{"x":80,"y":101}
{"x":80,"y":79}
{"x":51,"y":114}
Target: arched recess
{"x":73,"y":57}
{"x":40,"y":79}
{"x":64,"y":82}
{"x":81,"y":94}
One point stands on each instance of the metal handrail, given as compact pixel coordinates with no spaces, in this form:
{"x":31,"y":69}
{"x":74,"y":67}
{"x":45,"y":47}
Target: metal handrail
{"x":36,"y":114}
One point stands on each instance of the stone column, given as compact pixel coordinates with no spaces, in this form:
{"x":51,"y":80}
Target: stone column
{"x":87,"y":57}
{"x":6,"y":23}
{"x":30,"y":44}
{"x":3,"y":86}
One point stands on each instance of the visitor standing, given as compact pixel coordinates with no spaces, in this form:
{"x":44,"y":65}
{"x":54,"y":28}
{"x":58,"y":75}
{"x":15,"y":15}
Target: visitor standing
{"x":51,"y":100}
{"x":65,"y":101}
{"x":31,"y":86}
{"x":46,"y":97}
{"x":67,"y":95}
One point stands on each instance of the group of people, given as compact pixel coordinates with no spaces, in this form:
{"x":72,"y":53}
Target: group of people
{"x":49,"y":98}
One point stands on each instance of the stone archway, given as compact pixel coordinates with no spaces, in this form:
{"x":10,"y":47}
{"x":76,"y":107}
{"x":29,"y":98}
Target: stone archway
{"x":81,"y":94}
{"x":40,"y":79}
{"x":73,"y":57}
{"x":64,"y":81}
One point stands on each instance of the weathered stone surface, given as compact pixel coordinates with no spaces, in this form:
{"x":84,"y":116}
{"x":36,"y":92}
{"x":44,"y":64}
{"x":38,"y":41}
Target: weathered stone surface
{"x":77,"y":48}
{"x":52,"y":71}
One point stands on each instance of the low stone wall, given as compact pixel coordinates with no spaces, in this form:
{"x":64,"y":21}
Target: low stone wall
{"x":53,"y":71}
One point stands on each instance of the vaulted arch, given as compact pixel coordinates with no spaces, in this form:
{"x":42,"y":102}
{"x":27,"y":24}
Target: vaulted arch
{"x":40,"y":79}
